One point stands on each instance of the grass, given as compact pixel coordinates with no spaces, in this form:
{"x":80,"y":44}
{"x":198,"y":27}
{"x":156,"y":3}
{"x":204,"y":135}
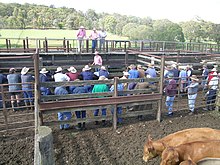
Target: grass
{"x":19,"y":35}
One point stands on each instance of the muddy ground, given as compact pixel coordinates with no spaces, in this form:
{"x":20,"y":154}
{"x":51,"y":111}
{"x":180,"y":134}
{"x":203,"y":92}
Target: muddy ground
{"x":101,"y":145}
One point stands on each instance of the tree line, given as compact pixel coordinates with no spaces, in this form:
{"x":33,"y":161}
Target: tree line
{"x":31,"y":16}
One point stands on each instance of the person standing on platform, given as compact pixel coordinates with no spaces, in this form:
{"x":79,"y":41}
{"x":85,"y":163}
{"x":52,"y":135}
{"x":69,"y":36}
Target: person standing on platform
{"x":102,"y":36}
{"x":81,"y":35}
{"x":94,"y":37}
{"x":97,"y":61}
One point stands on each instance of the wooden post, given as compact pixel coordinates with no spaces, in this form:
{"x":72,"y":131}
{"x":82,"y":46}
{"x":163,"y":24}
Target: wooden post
{"x":125,"y":46}
{"x":4,"y":107}
{"x":27,"y":43}
{"x":64,"y":44}
{"x":106,"y":46}
{"x":178,"y":54}
{"x":141,"y":46}
{"x":160,"y":103}
{"x":115,"y":106}
{"x":46,"y":45}
{"x":24,"y":47}
{"x":126,"y":59}
{"x":87,"y":45}
{"x":68,"y":46}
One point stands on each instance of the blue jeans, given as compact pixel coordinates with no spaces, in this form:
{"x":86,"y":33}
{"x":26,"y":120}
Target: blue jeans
{"x":28,"y":95}
{"x":119,"y":112}
{"x":64,"y":116}
{"x":169,"y":103}
{"x":80,"y":114}
{"x":191,"y":101}
{"x":45,"y":91}
{"x":94,"y":43}
{"x":96,"y":112}
{"x":211,"y":96}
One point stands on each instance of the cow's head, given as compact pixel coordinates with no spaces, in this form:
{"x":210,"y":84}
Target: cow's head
{"x":169,"y":156}
{"x":149,"y":151}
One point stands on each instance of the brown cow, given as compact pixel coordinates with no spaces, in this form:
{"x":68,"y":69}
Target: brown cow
{"x":187,"y":162}
{"x":155,"y":148}
{"x":193,"y":151}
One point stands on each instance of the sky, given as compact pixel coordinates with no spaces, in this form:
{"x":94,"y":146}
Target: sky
{"x":174,"y":10}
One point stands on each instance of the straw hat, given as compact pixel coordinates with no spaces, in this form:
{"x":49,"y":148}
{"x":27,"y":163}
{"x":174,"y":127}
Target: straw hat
{"x":96,"y":52}
{"x":126,"y":73}
{"x":103,"y":68}
{"x":139,"y":66}
{"x":94,"y":29}
{"x":82,"y":27}
{"x":44,"y":70}
{"x":86,"y":68}
{"x":103,"y":78}
{"x":194,"y":77}
{"x":24,"y":70}
{"x":214,"y":70}
{"x":72,"y":69}
{"x":59,"y":69}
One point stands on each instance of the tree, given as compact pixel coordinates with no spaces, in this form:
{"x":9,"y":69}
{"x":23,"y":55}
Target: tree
{"x":110,"y":23}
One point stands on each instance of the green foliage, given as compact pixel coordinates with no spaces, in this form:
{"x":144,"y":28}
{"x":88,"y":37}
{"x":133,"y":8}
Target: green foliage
{"x":17,"y":16}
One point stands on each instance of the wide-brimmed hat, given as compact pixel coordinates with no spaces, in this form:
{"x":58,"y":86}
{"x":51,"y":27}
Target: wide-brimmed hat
{"x":126,"y":73}
{"x":139,"y":66}
{"x":103,"y":78}
{"x":96,"y":52}
{"x":94,"y":29}
{"x":82,"y":27}
{"x":103,"y":68}
{"x":194,"y":77}
{"x":214,"y":70}
{"x":72,"y":69}
{"x":24,"y":70}
{"x":44,"y":70}
{"x":59,"y":69}
{"x":86,"y":67}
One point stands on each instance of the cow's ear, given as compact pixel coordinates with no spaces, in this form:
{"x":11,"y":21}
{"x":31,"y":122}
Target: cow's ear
{"x":149,"y":138}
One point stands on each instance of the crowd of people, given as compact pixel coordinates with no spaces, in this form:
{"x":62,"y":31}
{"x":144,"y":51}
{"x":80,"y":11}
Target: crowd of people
{"x":190,"y":84}
{"x":94,"y":36}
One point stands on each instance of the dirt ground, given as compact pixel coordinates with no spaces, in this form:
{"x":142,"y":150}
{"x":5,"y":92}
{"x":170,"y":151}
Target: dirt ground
{"x":101,"y":145}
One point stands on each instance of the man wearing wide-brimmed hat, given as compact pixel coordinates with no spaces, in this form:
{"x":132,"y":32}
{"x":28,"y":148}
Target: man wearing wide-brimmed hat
{"x":97,"y":61}
{"x":150,"y":72}
{"x":60,"y":76}
{"x":94,"y":36}
{"x":103,"y":72}
{"x":72,"y":74}
{"x":43,"y":77}
{"x":27,"y":79}
{"x":192,"y":93}
{"x":87,"y":74}
{"x":81,"y":35}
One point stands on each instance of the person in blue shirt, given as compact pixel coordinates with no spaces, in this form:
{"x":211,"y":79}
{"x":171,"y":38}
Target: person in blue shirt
{"x":103,"y":72}
{"x":151,"y":71}
{"x":133,"y":73}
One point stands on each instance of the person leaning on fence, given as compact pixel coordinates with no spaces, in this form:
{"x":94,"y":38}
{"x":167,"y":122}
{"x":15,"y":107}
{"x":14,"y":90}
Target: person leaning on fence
{"x":192,"y":93}
{"x":133,"y":74}
{"x":14,"y":81}
{"x":27,"y":86}
{"x":81,"y":35}
{"x":120,"y":87}
{"x":170,"y":91}
{"x":205,"y":73}
{"x":103,"y":72}
{"x":151,"y":71}
{"x":94,"y":37}
{"x":183,"y":80}
{"x":73,"y":75}
{"x":212,"y":91}
{"x":63,"y":115}
{"x":99,"y":88}
{"x":44,"y":78}
{"x":80,"y":114}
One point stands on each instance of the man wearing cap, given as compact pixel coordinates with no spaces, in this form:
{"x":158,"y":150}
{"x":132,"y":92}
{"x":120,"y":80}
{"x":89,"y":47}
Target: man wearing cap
{"x":15,"y":79}
{"x":94,"y":36}
{"x":170,"y":91}
{"x":80,"y":36}
{"x":27,"y":86}
{"x":44,"y":78}
{"x":211,"y":94}
{"x":192,"y":93}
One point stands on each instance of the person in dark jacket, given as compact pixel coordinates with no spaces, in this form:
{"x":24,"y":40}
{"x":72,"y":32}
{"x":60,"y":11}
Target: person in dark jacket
{"x":170,"y":91}
{"x":44,"y":78}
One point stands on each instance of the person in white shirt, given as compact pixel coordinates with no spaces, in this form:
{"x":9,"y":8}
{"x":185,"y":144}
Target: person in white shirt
{"x":211,"y":94}
{"x":59,"y":76}
{"x":102,"y":36}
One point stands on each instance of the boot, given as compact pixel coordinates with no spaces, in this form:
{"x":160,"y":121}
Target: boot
{"x":84,"y":126}
{"x":79,"y":126}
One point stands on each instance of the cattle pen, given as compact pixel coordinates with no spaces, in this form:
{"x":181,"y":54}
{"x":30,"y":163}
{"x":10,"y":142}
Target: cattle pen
{"x":116,"y":61}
